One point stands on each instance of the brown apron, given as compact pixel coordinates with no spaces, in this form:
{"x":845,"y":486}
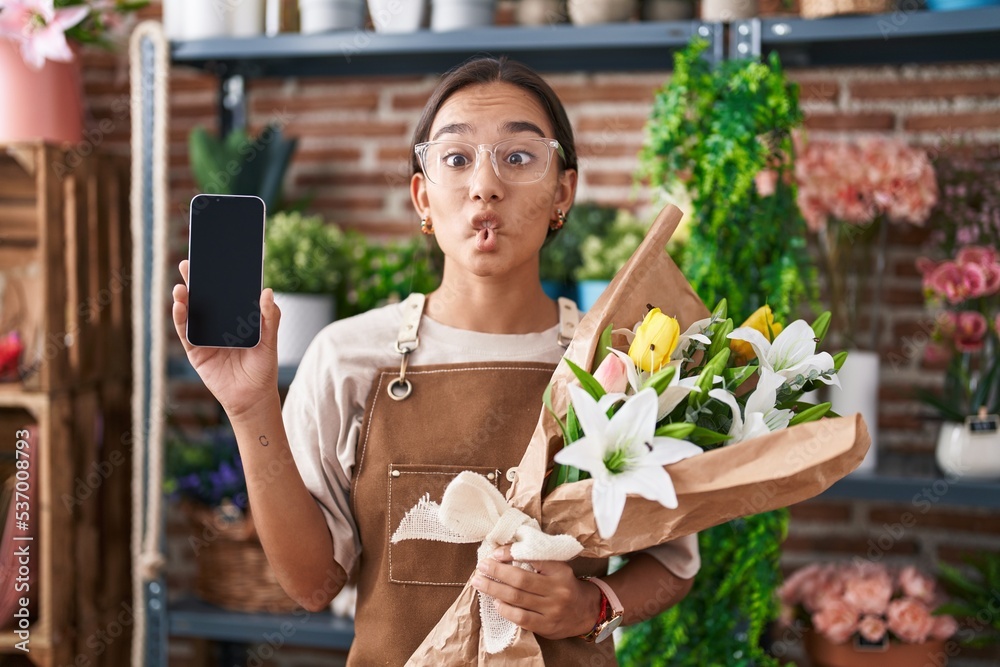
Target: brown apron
{"x":457,"y":417}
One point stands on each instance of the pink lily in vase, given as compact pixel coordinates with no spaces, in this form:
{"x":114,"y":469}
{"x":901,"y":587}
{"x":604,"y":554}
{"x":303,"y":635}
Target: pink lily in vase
{"x":39,"y":28}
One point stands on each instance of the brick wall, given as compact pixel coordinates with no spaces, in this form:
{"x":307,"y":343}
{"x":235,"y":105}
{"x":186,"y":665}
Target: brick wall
{"x":353,"y":159}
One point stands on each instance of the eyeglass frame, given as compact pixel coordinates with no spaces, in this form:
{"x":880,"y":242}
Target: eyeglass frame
{"x":552,"y":144}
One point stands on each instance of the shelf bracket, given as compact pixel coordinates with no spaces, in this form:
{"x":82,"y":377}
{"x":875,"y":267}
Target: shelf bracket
{"x":713,"y":32}
{"x":232,"y":104}
{"x":744,"y":39}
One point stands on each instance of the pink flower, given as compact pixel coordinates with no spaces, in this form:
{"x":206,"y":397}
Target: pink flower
{"x":837,"y":621}
{"x":611,"y":374}
{"x":872,"y":628}
{"x":868,"y":592}
{"x":944,"y":627}
{"x":947,"y":280}
{"x":980,"y":255}
{"x":996,"y":323}
{"x":790,"y":592}
{"x":973,"y":279}
{"x":40,"y":28}
{"x":766,"y":181}
{"x":910,"y":620}
{"x":935,"y":354}
{"x":992,"y":279}
{"x":824,"y":590}
{"x":970,"y":330}
{"x":916,"y":584}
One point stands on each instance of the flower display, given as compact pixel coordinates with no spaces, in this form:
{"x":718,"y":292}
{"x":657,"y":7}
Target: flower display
{"x":866,"y":602}
{"x":206,"y":471}
{"x":963,"y":292}
{"x":682,"y":395}
{"x":41,"y":27}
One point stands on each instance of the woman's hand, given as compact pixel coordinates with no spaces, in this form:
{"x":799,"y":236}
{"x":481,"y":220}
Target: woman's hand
{"x":239,"y":378}
{"x":550,"y":602}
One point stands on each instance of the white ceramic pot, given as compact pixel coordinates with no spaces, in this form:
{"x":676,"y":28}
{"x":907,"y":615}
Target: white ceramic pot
{"x":459,"y":14}
{"x":302,"y":317}
{"x":397,"y":15}
{"x":967,"y":455}
{"x":541,"y":12}
{"x":590,"y":12}
{"x":246,"y":18}
{"x":325,"y":15}
{"x":667,"y":10}
{"x":858,"y":392}
{"x":728,"y":10}
{"x":201,"y":20}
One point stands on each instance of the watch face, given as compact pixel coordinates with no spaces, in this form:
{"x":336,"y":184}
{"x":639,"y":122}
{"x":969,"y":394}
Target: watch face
{"x":609,"y":627}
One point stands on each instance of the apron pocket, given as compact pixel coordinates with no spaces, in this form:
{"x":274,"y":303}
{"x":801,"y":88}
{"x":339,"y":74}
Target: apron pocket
{"x":427,"y":562}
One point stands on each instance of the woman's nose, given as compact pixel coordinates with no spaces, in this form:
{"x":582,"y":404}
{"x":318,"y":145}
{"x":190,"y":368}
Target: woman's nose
{"x":485,"y":183}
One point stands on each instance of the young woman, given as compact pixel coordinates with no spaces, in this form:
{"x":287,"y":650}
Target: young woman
{"x":392,"y":404}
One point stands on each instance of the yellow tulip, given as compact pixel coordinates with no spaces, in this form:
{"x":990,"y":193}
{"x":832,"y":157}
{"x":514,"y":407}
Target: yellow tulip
{"x":655,"y":341}
{"x":762,"y":317}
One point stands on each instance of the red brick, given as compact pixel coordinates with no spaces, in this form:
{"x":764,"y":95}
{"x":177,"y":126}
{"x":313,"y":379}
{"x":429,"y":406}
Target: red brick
{"x":354,"y":128}
{"x":971,"y":521}
{"x":844,"y":544}
{"x":894,"y":90}
{"x":349,"y":203}
{"x":327,"y":154}
{"x":819,"y":91}
{"x":869,"y":121}
{"x":410,"y":101}
{"x":608,"y":178}
{"x":329,"y":179}
{"x":395,"y":154}
{"x":594,"y":149}
{"x":950,"y":122}
{"x":365,"y":101}
{"x":900,"y":422}
{"x":821,"y":511}
{"x":956,"y":554}
{"x":610,"y":124}
{"x":605,"y":92}
{"x":900,"y":296}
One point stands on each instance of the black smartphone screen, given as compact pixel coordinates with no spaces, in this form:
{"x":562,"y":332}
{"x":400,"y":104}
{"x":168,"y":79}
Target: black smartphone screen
{"x":225,"y":270}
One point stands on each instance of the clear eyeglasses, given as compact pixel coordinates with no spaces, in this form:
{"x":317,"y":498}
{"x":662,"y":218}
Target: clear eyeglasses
{"x":517,"y":160}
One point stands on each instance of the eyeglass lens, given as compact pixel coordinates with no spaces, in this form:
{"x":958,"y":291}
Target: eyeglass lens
{"x":517,"y":160}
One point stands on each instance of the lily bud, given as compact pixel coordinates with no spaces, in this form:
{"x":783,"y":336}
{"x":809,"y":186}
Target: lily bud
{"x":611,"y":375}
{"x":655,"y":341}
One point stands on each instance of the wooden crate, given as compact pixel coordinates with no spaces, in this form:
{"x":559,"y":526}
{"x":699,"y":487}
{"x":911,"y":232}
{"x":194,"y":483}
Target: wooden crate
{"x":65,"y":262}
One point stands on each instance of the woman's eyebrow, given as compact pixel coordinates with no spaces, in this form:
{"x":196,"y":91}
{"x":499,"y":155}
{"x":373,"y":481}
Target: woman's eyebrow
{"x":453,"y":128}
{"x":517,"y":126}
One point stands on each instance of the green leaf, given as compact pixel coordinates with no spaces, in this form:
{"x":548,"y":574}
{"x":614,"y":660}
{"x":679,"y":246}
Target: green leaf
{"x":719,"y":340}
{"x":547,"y":402}
{"x":821,"y":325}
{"x":706,"y":378}
{"x":734,"y":377}
{"x":587,"y":381}
{"x":721,"y":309}
{"x":573,"y":429}
{"x":661,"y":379}
{"x":602,"y":346}
{"x":839,"y":359}
{"x":810,"y":414}
{"x":706,"y":437}
{"x":679,"y":430}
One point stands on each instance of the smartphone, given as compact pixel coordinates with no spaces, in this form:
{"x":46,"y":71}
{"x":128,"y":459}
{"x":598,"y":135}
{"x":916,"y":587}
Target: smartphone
{"x":225,"y":270}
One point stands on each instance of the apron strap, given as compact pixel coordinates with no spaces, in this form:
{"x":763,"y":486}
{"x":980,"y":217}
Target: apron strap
{"x":569,"y":317}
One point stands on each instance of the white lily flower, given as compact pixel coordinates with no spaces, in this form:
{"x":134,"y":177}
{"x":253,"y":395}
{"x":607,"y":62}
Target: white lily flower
{"x":793,"y":352}
{"x":673,"y":393}
{"x":693,"y":333}
{"x":623,"y":455}
{"x":761,"y":416}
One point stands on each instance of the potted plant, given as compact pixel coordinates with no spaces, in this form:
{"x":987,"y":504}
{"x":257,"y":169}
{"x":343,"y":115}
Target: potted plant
{"x":204,"y":475}
{"x":722,"y":133}
{"x":863,"y":614}
{"x":305,"y":264}
{"x":603,"y":254}
{"x":667,"y":10}
{"x":965,"y":294}
{"x":560,"y":257}
{"x":461,"y":14}
{"x":396,"y":15}
{"x":590,"y":12}
{"x":38,"y":44}
{"x":541,"y":12}
{"x":325,"y":15}
{"x":973,"y":590}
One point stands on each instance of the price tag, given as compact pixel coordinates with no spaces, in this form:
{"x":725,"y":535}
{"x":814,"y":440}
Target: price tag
{"x":983,"y":425}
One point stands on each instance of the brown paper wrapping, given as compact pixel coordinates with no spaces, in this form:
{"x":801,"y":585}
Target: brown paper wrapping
{"x":766,"y":473}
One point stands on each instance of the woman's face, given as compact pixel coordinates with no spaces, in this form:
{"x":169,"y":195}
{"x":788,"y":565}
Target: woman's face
{"x":490,"y":227}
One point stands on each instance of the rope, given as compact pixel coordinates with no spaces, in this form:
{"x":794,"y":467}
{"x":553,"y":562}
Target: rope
{"x":148,"y":259}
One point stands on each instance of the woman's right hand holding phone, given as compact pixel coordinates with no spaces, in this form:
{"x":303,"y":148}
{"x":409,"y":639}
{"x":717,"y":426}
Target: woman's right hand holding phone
{"x":239,"y":378}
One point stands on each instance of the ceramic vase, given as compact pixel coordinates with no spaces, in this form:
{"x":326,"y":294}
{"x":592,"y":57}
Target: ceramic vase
{"x":461,"y":14}
{"x":397,"y":15}
{"x":318,"y":16}
{"x":728,"y":10}
{"x":44,"y":104}
{"x":824,"y":653}
{"x":858,"y":392}
{"x":591,"y":12}
{"x":967,"y":454}
{"x":302,"y":317}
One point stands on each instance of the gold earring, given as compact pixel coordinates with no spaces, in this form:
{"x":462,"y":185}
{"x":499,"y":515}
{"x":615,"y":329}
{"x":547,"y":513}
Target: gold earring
{"x":559,"y":221}
{"x":426,"y":226}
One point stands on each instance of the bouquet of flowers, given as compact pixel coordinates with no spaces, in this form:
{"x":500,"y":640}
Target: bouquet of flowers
{"x":866,"y":603}
{"x":207,"y":474}
{"x":965,"y":292}
{"x":704,"y":485}
{"x":41,"y":27}
{"x":846,"y":193}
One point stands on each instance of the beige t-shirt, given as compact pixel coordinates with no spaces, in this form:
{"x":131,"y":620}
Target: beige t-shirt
{"x":325,"y":405}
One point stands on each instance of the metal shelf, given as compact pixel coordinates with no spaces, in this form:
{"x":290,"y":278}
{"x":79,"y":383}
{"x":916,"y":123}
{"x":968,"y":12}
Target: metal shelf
{"x":191,"y":617}
{"x":621,"y":46}
{"x":940,"y":491}
{"x":897,"y":38}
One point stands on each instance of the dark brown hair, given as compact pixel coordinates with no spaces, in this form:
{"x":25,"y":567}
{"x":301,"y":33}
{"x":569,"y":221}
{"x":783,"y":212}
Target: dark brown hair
{"x":490,"y":70}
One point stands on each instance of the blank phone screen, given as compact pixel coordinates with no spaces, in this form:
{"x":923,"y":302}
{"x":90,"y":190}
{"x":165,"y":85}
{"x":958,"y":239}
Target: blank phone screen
{"x":225,"y":271}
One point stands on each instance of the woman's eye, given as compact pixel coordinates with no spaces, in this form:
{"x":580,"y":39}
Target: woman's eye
{"x":519,"y":158}
{"x":456,"y":160}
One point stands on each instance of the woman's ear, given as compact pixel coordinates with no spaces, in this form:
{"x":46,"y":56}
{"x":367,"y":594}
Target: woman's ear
{"x":566,"y":189}
{"x":418,"y":194}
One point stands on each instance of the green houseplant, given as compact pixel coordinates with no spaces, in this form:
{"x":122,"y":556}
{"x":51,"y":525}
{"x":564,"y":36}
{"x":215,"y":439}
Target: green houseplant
{"x":974,"y":598}
{"x":386,"y":272}
{"x":723,"y":133}
{"x":561,"y":254}
{"x":603,"y":254}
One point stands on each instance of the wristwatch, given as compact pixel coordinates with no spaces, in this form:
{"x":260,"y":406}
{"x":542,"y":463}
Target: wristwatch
{"x":611,"y":616}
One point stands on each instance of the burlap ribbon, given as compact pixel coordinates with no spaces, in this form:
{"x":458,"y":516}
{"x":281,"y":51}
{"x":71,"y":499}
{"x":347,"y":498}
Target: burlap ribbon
{"x":473,"y":510}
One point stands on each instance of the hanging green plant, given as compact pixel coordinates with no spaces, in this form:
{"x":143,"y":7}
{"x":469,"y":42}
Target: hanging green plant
{"x":723,"y":133}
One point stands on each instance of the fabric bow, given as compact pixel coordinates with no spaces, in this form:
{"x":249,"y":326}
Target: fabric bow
{"x":473,"y":510}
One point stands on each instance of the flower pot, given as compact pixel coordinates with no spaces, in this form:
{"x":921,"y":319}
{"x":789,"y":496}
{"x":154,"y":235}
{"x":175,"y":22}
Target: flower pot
{"x":460,"y":14}
{"x":397,"y":15}
{"x":44,"y":104}
{"x":246,"y":18}
{"x":667,"y":10}
{"x":302,"y":317}
{"x":824,"y":653}
{"x":588,"y":292}
{"x":541,"y":12}
{"x":325,"y":15}
{"x":728,"y":10}
{"x":203,"y":20}
{"x":590,"y":12}
{"x":858,"y":392}
{"x":966,"y":454}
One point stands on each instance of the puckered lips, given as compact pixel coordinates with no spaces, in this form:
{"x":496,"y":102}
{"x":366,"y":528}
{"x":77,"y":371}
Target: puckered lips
{"x":486,"y":225}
